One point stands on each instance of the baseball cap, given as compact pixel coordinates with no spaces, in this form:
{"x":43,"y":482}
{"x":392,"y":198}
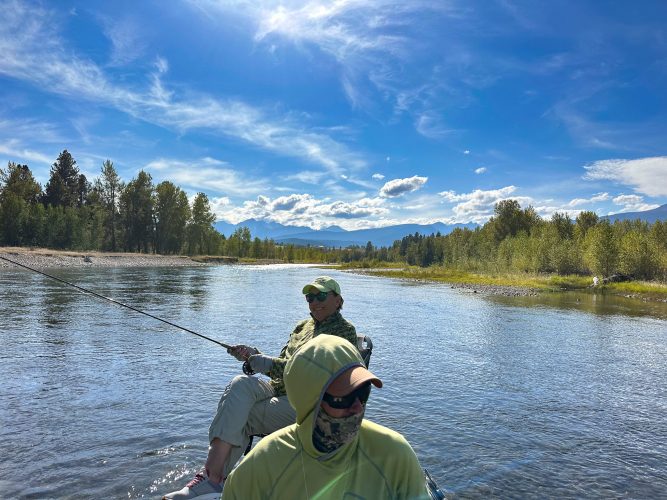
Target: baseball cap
{"x":322,"y":284}
{"x":350,"y":379}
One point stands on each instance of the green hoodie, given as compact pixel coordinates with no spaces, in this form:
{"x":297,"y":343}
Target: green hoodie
{"x":379,"y":463}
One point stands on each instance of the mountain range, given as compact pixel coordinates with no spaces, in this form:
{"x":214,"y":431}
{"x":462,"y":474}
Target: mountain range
{"x":335,"y":236}
{"x":650,"y":216}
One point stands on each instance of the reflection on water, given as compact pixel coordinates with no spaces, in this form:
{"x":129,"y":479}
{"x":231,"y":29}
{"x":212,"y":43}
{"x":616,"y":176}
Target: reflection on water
{"x":595,"y":303}
{"x":506,"y":397}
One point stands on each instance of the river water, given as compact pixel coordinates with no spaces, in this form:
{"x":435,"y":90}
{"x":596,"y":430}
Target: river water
{"x":500,"y":397}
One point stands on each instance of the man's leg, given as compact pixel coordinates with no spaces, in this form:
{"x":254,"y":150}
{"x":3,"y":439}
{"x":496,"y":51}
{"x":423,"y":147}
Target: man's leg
{"x":229,"y":429}
{"x":218,"y":456}
{"x":227,"y":434}
{"x":265,"y":417}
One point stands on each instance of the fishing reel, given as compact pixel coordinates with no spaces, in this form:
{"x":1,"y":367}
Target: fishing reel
{"x":247,"y":369}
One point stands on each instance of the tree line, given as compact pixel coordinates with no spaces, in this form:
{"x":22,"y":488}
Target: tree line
{"x":109,"y":214}
{"x":519,"y":240}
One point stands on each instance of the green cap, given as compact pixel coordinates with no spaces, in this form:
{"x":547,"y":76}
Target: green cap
{"x":322,"y":284}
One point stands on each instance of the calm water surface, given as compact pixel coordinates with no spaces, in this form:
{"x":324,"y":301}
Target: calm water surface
{"x":561,"y":396}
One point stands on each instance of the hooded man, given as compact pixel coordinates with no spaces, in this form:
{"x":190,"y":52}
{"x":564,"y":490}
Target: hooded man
{"x":251,"y":405}
{"x":331,"y":451}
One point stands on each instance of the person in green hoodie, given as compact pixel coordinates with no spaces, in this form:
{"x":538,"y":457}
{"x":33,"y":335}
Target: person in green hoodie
{"x":250,"y":405}
{"x":331,"y":451}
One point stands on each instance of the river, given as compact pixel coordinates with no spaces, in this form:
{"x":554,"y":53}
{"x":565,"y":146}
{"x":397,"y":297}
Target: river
{"x":500,"y":397}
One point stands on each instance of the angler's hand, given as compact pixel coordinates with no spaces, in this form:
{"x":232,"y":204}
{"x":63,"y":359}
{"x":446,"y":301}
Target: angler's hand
{"x":242,"y":352}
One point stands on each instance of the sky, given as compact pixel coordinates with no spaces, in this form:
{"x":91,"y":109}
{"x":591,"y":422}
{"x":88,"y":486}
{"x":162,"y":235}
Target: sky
{"x":351,"y":113}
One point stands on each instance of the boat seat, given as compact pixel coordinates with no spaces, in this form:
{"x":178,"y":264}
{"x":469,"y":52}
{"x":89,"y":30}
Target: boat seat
{"x":365,"y":346}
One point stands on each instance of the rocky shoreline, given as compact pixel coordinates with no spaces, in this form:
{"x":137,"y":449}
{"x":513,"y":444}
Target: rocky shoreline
{"x":44,"y":259}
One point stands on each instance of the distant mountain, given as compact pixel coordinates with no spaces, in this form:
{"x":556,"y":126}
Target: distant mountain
{"x":335,"y":236}
{"x":650,"y":216}
{"x":260,"y":228}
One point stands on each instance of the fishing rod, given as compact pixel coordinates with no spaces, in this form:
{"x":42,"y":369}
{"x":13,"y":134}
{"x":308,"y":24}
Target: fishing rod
{"x":85,"y":290}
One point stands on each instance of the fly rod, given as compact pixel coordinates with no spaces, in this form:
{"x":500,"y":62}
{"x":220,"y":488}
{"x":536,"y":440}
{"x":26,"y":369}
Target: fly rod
{"x":85,"y":290}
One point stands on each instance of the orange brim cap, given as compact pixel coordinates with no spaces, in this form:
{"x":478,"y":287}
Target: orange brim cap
{"x":350,"y":379}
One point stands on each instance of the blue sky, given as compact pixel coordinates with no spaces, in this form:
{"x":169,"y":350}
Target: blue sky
{"x":354,"y":113}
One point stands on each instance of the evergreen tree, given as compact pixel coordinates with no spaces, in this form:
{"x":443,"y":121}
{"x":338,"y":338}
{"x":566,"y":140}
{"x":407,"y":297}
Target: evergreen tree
{"x":136,"y":213}
{"x":172,"y":213}
{"x":110,"y":187}
{"x":65,"y":184}
{"x":18,"y":180}
{"x":200,"y":228}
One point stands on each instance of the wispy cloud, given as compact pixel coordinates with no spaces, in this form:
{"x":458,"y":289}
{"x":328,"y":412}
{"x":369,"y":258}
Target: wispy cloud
{"x":33,"y":52}
{"x":398,"y":187}
{"x":480,"y":170}
{"x":647,"y":176}
{"x":205,"y":174}
{"x":430,"y":125}
{"x":15,"y":152}
{"x":126,"y":40}
{"x":372,"y":42}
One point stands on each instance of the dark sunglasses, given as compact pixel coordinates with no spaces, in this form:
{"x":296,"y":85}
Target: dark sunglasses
{"x":344,"y":402}
{"x":321,"y":297}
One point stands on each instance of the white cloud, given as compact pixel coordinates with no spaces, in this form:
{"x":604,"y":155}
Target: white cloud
{"x":628,"y":199}
{"x":362,"y":208}
{"x":219,"y":205}
{"x":466,"y":152}
{"x":306,"y":210}
{"x":633,"y":203}
{"x":378,"y":177}
{"x":296,"y":203}
{"x":480,"y":170}
{"x":398,"y":187}
{"x":593,"y":199}
{"x":647,"y":176}
{"x":478,"y":205}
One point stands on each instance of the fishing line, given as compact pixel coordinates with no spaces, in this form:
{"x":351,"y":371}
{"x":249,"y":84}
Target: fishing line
{"x":85,"y":290}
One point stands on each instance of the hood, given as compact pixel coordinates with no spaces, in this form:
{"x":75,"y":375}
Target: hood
{"x":309,"y":372}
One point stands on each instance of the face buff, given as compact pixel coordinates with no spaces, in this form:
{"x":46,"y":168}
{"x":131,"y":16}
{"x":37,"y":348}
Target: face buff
{"x":332,"y":433}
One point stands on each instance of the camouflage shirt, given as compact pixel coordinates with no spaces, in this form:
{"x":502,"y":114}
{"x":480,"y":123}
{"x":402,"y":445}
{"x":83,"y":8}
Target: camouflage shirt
{"x":304,"y":331}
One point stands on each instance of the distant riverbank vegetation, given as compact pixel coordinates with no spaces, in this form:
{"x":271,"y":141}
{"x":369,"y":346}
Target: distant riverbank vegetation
{"x":516,"y":246}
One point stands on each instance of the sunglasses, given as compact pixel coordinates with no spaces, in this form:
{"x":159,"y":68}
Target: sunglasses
{"x":321,"y":297}
{"x":344,"y":402}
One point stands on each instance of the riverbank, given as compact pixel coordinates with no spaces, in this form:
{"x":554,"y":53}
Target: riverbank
{"x":518,"y":285}
{"x":42,"y":258}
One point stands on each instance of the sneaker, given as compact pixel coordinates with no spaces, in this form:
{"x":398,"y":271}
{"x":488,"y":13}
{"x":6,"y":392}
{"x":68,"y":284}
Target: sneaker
{"x":200,"y":487}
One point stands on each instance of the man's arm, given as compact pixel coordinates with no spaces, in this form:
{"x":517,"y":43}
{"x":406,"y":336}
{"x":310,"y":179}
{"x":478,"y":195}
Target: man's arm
{"x":274,"y":366}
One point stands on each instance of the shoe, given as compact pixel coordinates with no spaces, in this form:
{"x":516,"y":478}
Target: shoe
{"x":200,"y":487}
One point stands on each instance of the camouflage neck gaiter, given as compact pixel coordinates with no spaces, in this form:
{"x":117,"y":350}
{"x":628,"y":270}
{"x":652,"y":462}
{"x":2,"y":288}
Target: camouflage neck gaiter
{"x":331,"y":433}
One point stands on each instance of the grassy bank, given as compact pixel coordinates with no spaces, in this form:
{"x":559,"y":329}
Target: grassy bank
{"x":546,"y":283}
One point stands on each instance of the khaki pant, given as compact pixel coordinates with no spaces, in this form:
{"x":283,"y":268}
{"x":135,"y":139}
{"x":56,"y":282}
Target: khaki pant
{"x":247,"y":407}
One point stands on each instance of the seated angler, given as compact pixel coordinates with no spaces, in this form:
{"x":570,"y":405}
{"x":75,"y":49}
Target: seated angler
{"x":250,"y":405}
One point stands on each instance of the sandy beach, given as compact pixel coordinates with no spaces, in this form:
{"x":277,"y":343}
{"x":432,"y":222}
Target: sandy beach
{"x":42,"y":258}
